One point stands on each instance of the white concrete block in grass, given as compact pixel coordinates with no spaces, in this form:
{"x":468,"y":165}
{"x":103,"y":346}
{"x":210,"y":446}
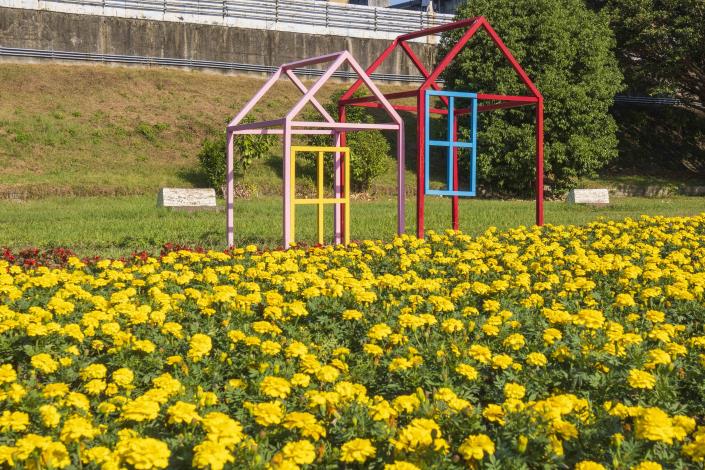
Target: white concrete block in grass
{"x":187,"y":198}
{"x":589,"y":196}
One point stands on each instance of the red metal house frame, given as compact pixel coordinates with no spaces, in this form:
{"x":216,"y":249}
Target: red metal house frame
{"x":473,"y":25}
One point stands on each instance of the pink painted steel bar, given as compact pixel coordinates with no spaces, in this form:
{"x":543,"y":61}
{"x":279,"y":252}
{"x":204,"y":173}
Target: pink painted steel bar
{"x":401,"y":154}
{"x":382,"y":57}
{"x":281,"y":131}
{"x":438,"y":29}
{"x":230,"y":190}
{"x":342,"y":142}
{"x":338,"y":191}
{"x":255,"y":99}
{"x":348,"y":126}
{"x":286,"y":187}
{"x":299,"y":84}
{"x":256,"y":125}
{"x":339,"y":60}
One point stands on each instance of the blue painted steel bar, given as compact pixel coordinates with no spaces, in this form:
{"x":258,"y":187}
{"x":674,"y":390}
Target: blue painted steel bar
{"x":451,"y":144}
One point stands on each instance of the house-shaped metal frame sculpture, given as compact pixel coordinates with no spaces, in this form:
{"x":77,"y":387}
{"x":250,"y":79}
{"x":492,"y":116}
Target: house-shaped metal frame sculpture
{"x":471,"y":26}
{"x":288,"y":126}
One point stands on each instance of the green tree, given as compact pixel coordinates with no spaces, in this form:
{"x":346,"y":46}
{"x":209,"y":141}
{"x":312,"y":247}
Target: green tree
{"x":567,"y":50}
{"x":661,"y":46}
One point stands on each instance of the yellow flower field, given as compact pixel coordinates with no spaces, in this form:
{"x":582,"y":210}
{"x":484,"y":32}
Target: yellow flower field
{"x":554,"y":347}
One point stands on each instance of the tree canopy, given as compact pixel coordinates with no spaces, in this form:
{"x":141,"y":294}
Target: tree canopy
{"x":568,"y":51}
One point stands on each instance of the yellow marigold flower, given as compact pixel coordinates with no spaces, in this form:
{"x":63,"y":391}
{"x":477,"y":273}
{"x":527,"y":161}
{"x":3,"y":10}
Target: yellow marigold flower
{"x":514,"y":341}
{"x":352,"y":315}
{"x":327,"y":374}
{"x":296,"y":349}
{"x":144,"y":345}
{"x":77,"y":428}
{"x":199,"y":346}
{"x":55,"y":455}
{"x":306,"y":422}
{"x":419,"y":433}
{"x":357,"y":450}
{"x":406,"y":403}
{"x":654,"y":424}
{"x":182,"y":413}
{"x":696,"y":449}
{"x":50,"y":415}
{"x":97,"y":455}
{"x":55,"y":390}
{"x":270,"y":348}
{"x":96,"y":386}
{"x":222,"y":429}
{"x":647,"y":465}
{"x":589,"y":465}
{"x":467,"y":371}
{"x":592,"y":319}
{"x":452,"y":325}
{"x":655,"y":316}
{"x":373,"y":350}
{"x":491,"y":306}
{"x":143,"y":453}
{"x":379,"y":331}
{"x":7,"y":374}
{"x":13,"y":421}
{"x":624,"y":300}
{"x":300,"y":452}
{"x":211,"y":454}
{"x":43,"y":362}
{"x":494,"y":413}
{"x":536,"y":359}
{"x":266,"y":414}
{"x":381,"y":410}
{"x":481,"y":354}
{"x":123,"y":376}
{"x":300,"y":380}
{"x":551,"y":335}
{"x":401,"y":465}
{"x":276,"y":387}
{"x":641,"y":379}
{"x":501,"y":361}
{"x":475,"y":446}
{"x":140,"y":409}
{"x":514,"y":390}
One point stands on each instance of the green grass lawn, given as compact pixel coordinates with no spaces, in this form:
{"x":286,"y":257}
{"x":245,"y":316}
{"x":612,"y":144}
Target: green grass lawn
{"x":116,"y":226}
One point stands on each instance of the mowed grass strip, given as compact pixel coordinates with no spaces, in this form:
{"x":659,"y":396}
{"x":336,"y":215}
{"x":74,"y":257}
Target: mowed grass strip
{"x":117,"y":226}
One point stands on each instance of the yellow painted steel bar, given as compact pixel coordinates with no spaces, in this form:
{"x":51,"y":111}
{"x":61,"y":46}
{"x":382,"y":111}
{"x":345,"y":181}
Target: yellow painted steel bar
{"x":320,"y":198}
{"x":320,"y":201}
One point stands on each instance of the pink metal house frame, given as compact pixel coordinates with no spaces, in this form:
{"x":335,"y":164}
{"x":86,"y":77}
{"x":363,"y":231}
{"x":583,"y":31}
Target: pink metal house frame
{"x":288,"y":127}
{"x":472,"y":26}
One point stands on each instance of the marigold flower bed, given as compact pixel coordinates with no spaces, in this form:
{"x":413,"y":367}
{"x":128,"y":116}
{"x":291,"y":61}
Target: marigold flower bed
{"x":560,"y":347}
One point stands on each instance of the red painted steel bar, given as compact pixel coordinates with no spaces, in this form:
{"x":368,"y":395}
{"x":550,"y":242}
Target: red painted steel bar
{"x":438,"y":29}
{"x":487,"y":96}
{"x":369,"y":99}
{"x":539,"y":162}
{"x":383,"y":56}
{"x":420,"y":67}
{"x":457,"y":47}
{"x":420,"y":145}
{"x":401,"y":107}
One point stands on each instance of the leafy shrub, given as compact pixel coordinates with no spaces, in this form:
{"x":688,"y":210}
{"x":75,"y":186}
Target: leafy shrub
{"x":246,"y":149}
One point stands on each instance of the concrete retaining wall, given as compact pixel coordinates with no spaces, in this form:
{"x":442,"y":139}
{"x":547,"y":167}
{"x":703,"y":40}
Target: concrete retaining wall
{"x":48,"y":30}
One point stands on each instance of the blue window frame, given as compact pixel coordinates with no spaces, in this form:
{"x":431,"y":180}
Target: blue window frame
{"x":449,"y":143}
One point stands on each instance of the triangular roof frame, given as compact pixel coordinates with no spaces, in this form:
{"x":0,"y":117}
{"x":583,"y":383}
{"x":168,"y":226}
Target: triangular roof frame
{"x":336,"y":60}
{"x":473,"y":25}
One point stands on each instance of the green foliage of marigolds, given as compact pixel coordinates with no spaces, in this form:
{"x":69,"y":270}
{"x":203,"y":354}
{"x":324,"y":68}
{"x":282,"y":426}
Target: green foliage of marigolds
{"x":567,"y":50}
{"x":246,"y":149}
{"x":369,"y":150}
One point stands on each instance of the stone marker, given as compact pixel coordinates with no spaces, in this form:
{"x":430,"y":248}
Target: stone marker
{"x":589,"y":196}
{"x":187,"y":198}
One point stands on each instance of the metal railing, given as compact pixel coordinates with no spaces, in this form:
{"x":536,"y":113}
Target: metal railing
{"x":265,"y":69}
{"x":310,"y":16}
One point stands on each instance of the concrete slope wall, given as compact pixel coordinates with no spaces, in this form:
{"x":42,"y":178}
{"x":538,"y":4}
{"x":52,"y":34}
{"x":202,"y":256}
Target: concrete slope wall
{"x":39,"y":29}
